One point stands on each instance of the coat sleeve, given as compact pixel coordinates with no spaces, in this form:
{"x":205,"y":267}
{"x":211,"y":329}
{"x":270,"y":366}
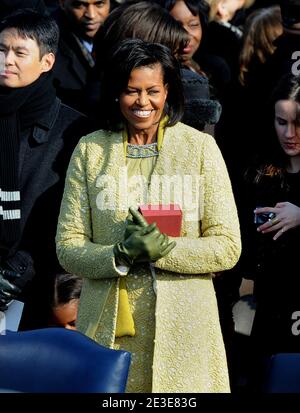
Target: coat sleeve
{"x":219,"y":246}
{"x":75,"y":250}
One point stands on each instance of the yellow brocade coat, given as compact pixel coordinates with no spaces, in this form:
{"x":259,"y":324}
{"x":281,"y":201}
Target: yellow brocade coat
{"x":189,"y":353}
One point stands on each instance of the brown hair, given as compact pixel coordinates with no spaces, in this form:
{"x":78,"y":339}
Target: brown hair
{"x":262,"y":27}
{"x":144,"y":20}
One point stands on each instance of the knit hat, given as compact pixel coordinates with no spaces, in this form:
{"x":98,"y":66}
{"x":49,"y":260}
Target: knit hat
{"x":290,"y":11}
{"x":199,"y":107}
{"x":9,"y":6}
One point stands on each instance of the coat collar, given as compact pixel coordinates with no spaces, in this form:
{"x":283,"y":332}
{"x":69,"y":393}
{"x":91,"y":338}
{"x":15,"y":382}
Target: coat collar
{"x":46,"y":123}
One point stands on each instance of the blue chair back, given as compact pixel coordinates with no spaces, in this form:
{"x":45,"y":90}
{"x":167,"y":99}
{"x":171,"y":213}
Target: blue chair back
{"x":57,"y":360}
{"x":283,"y":374}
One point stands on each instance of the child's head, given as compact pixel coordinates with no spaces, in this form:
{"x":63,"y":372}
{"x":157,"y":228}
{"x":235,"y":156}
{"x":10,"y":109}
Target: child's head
{"x":67,"y":289}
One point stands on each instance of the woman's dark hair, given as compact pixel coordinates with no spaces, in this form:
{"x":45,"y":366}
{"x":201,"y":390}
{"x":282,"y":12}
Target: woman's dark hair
{"x":196,"y":7}
{"x":143,"y":20}
{"x":131,"y":54}
{"x":67,"y":287}
{"x":272,"y":161}
{"x":36,"y":26}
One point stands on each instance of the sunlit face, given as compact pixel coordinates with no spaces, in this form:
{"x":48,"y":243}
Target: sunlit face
{"x":192,"y":25}
{"x":287,"y":129}
{"x":143,"y":101}
{"x":65,"y":315}
{"x":22,"y":61}
{"x":86,"y":15}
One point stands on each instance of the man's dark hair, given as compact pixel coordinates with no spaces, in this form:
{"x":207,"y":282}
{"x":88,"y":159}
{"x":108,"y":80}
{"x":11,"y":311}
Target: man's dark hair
{"x":131,"y":54}
{"x":36,"y":26}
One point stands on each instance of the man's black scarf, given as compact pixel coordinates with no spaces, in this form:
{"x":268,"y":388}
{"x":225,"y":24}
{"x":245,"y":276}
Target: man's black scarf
{"x":20,"y":109}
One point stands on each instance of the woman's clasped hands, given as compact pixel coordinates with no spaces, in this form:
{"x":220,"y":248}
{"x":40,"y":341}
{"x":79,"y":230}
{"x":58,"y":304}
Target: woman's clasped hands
{"x":142,"y":242}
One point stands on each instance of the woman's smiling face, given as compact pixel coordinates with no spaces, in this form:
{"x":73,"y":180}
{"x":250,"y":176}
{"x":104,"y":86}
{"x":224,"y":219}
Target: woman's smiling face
{"x":191,"y":24}
{"x":142,"y":103}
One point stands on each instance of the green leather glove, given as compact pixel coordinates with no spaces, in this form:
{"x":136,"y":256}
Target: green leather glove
{"x":134,"y":222}
{"x":145,"y":244}
{"x":8,"y":291}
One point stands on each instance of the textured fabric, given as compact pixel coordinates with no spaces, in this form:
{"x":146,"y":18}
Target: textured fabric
{"x":160,"y":136}
{"x":188,"y":350}
{"x":137,"y":166}
{"x":142,"y":151}
{"x":142,"y":303}
{"x":30,"y":102}
{"x":200,"y":108}
{"x":140,"y":296}
{"x":140,"y":161}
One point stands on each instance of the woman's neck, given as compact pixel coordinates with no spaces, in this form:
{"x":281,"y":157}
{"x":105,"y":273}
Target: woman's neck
{"x":142,"y":137}
{"x":294,"y":164}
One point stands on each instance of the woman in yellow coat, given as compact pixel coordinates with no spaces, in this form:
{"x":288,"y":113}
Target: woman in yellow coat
{"x":141,"y":292}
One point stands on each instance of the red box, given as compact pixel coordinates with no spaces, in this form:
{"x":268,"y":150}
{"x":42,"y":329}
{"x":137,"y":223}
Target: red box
{"x":168,"y":218}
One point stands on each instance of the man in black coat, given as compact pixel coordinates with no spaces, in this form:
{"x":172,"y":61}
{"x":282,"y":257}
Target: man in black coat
{"x":37,"y":136}
{"x":78,"y":21}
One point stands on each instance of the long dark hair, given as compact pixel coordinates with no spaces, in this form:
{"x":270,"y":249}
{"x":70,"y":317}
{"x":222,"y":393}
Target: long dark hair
{"x":131,"y":54}
{"x":272,"y":160}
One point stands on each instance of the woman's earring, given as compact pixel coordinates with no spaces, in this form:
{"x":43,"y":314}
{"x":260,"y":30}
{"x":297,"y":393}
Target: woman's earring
{"x":116,"y":100}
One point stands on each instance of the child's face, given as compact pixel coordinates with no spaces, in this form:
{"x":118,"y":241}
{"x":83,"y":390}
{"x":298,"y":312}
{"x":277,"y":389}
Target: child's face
{"x":65,"y":315}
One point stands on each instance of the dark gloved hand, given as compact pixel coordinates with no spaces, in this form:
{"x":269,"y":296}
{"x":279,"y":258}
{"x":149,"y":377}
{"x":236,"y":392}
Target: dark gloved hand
{"x":8,"y":290}
{"x":144,"y":243}
{"x":134,"y":222}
